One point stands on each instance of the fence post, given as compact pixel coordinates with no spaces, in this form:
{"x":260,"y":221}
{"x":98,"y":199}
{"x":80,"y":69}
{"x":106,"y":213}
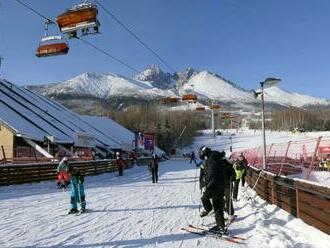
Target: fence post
{"x":314,"y":155}
{"x":297,"y":202}
{"x":270,"y":148}
{"x":285,"y":157}
{"x":273,"y":192}
{"x":4,"y":154}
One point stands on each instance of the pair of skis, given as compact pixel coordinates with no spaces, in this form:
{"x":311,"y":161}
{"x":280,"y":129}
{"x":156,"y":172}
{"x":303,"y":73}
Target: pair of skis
{"x":207,"y":232}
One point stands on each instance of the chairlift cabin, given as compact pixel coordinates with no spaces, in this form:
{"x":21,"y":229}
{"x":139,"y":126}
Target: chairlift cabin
{"x":52,"y":46}
{"x":189,"y":97}
{"x":170,"y":100}
{"x":80,"y":17}
{"x":200,"y":108}
{"x":215,"y":106}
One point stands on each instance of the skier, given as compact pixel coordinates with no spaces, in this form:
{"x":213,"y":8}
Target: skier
{"x":154,"y":168}
{"x":229,"y":178}
{"x":120,"y":164}
{"x":215,"y":186}
{"x":240,"y":168}
{"x":193,"y":158}
{"x":77,"y":193}
{"x":63,"y":177}
{"x":241,"y":157}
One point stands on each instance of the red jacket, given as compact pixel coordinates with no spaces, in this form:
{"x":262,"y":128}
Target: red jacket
{"x":120,"y":162}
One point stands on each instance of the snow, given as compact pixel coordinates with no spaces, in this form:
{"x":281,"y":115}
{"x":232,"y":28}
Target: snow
{"x":130,"y":211}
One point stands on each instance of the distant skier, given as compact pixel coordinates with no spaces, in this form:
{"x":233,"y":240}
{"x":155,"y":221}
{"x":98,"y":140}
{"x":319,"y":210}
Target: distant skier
{"x":193,"y":158}
{"x":120,"y":164}
{"x":154,"y":168}
{"x":215,"y":186}
{"x":240,"y":171}
{"x":77,"y":192}
{"x":63,"y":177}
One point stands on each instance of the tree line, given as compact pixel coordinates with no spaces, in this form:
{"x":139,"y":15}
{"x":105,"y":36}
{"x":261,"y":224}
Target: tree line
{"x":309,"y":119}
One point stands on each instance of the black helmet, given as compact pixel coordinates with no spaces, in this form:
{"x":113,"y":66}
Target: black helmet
{"x":204,"y":151}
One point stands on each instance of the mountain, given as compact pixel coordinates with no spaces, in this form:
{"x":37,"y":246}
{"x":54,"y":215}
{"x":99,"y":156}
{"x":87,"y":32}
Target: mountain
{"x":153,"y":84}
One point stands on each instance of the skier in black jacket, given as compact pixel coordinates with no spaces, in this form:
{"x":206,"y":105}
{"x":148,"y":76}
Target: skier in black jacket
{"x":215,"y":186}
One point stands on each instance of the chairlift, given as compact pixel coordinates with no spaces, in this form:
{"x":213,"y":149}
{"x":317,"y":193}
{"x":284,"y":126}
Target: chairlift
{"x":81,"y":17}
{"x":51,"y":45}
{"x":189,"y":97}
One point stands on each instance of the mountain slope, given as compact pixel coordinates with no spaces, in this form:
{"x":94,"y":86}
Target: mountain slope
{"x":153,"y":83}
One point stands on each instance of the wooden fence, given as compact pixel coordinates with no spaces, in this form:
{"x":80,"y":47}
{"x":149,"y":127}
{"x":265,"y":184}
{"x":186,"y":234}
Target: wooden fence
{"x":37,"y":172}
{"x":307,"y":201}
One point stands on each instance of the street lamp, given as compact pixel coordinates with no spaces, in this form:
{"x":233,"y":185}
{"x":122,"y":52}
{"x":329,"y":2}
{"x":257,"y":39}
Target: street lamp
{"x":269,"y":82}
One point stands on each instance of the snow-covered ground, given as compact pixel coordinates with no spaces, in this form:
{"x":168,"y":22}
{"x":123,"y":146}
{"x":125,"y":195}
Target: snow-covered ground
{"x":130,"y":211}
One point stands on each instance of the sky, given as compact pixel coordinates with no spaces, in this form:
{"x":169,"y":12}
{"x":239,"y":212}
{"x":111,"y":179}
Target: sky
{"x":244,"y":41}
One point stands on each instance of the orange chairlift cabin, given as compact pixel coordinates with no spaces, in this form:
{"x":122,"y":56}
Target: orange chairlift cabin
{"x":80,"y":17}
{"x":201,"y":108}
{"x":189,"y":97}
{"x":51,"y":45}
{"x":170,"y":100}
{"x":215,"y":106}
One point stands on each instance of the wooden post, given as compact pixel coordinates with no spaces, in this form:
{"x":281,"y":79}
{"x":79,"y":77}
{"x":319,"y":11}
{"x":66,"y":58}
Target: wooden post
{"x":297,"y":202}
{"x":270,"y":148}
{"x":273,"y":193}
{"x":314,"y":155}
{"x":4,"y":154}
{"x":285,"y":157}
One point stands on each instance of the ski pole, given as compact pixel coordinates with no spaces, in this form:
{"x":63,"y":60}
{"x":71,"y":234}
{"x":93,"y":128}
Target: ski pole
{"x":230,"y":196}
{"x":249,"y":198}
{"x":79,"y":195}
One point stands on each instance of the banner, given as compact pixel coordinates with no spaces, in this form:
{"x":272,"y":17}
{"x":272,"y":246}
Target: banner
{"x":149,"y":143}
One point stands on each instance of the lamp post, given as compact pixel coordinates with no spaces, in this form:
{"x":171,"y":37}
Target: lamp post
{"x":269,"y":82}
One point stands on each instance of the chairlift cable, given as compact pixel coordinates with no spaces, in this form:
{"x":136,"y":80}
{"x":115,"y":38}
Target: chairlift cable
{"x":108,"y":54}
{"x":135,"y":36}
{"x":36,"y":12}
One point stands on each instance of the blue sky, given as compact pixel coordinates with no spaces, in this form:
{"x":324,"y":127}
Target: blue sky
{"x":245,"y":41}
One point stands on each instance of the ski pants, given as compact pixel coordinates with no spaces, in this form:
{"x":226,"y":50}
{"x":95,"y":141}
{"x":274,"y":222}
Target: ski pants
{"x":217,"y":199}
{"x":154,"y":173}
{"x":228,"y":202}
{"x":77,"y":194}
{"x":236,"y":185}
{"x":193,"y":159}
{"x":120,"y":170}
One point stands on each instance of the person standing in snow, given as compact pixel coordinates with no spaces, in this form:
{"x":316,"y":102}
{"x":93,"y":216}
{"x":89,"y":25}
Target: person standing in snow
{"x":229,"y":179}
{"x":193,"y":158}
{"x":120,"y":164}
{"x":215,"y":186}
{"x":63,"y":177}
{"x":77,"y":192}
{"x":240,"y":170}
{"x":154,"y":168}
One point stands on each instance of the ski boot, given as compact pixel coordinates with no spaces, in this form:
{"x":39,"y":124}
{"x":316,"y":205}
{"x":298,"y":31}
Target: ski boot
{"x":219,"y":230}
{"x":73,"y":211}
{"x":204,"y":213}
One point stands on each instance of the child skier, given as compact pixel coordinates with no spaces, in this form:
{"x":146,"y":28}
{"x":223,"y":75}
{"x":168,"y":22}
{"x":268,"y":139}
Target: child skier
{"x":77,"y":192}
{"x":120,"y":164}
{"x":63,"y":177}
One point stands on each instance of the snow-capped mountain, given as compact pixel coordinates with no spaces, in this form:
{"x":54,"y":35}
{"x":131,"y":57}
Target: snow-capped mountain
{"x":153,"y":83}
{"x":102,"y":86}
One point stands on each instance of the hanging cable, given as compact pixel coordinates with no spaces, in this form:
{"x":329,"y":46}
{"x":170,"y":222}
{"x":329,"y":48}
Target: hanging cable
{"x":36,"y":12}
{"x":84,"y":41}
{"x":109,"y":55}
{"x":135,"y":36}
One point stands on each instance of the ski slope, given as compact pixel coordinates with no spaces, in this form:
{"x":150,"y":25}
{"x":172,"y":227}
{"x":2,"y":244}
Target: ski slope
{"x":130,"y":211}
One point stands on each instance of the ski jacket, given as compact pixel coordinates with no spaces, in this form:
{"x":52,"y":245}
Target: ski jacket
{"x":120,"y":163}
{"x":240,"y":168}
{"x":154,"y":163}
{"x":215,"y":171}
{"x":63,"y":166}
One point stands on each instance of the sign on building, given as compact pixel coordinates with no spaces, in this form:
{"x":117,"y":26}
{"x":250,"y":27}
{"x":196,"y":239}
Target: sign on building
{"x":82,"y":139}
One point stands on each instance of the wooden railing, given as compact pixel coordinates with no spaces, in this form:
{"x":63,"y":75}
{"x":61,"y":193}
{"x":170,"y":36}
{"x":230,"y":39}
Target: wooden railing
{"x":37,"y":172}
{"x":303,"y":199}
